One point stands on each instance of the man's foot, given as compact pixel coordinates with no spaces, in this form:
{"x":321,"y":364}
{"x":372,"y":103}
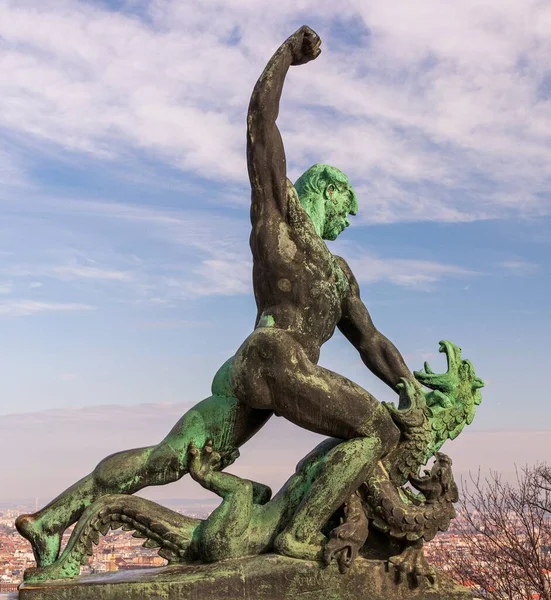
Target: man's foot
{"x":311,"y":548}
{"x":45,"y":545}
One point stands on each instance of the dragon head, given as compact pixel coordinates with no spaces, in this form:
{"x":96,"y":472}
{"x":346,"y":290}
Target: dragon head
{"x":437,"y":485}
{"x":454,"y":394}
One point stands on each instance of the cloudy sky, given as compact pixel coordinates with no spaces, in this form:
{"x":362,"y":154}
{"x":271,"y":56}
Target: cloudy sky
{"x":124,"y":260}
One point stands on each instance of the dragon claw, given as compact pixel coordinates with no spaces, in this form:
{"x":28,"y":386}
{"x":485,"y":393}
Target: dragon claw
{"x":348,"y":538}
{"x":345,"y":556}
{"x":408,"y":394}
{"x":412,"y":567}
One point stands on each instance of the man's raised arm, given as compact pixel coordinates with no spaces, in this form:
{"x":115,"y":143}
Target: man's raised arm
{"x":265,"y":153}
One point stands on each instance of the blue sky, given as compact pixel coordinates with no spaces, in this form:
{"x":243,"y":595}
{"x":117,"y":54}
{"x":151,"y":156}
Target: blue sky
{"x":124,"y":260}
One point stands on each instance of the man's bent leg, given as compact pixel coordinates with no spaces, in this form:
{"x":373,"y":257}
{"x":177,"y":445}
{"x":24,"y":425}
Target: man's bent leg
{"x":222,"y":419}
{"x":281,"y":377}
{"x":272,"y":371}
{"x":122,"y":473}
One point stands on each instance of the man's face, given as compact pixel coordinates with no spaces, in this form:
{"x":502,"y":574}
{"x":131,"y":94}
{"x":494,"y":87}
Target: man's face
{"x":338,"y":206}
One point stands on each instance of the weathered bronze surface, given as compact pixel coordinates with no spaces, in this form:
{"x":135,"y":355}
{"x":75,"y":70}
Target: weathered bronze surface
{"x":347,"y":497}
{"x":267,"y":577}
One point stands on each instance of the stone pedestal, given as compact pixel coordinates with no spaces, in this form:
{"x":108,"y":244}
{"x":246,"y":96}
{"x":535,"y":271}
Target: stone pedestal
{"x":268,"y":577}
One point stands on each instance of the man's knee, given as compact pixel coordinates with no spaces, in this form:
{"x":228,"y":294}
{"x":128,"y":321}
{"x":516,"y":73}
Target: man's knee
{"x":381,"y":427}
{"x":126,"y":467}
{"x":166,"y":461}
{"x":371,"y":448}
{"x":109,"y":468}
{"x":366,"y":451}
{"x":389,"y":439}
{"x":106,"y":472}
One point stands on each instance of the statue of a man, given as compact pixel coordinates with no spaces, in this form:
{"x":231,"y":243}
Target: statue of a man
{"x":303,"y":292}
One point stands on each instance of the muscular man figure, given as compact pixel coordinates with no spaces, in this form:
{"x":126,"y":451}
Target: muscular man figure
{"x":303,"y":292}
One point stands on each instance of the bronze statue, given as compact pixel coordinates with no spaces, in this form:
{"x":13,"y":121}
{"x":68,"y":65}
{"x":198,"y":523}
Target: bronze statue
{"x":303,"y":293}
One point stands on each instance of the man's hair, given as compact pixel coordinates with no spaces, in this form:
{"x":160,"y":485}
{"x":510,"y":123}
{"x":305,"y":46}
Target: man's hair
{"x":315,"y":180}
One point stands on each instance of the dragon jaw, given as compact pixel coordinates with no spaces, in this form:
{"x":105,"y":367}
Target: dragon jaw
{"x":457,"y":369}
{"x":441,"y":381}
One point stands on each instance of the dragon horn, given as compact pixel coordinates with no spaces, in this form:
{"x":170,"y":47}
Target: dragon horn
{"x":478,"y":383}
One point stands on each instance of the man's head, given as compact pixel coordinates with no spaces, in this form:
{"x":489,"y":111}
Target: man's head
{"x":327,"y":196}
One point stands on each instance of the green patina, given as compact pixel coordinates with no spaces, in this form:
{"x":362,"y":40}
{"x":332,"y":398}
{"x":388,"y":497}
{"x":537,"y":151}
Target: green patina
{"x":258,"y":577}
{"x":430,"y":418}
{"x":266,"y":321}
{"x":329,"y":217}
{"x":247,"y":522}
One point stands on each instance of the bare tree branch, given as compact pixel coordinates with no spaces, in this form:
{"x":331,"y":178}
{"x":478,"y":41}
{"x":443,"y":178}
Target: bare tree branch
{"x":502,"y":542}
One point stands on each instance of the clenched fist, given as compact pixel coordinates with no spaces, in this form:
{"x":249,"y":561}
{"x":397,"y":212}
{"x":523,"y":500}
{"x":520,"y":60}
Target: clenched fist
{"x":305,"y":45}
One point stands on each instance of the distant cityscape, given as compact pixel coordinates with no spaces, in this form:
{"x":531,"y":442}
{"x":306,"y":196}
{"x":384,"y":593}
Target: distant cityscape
{"x":118,"y":550}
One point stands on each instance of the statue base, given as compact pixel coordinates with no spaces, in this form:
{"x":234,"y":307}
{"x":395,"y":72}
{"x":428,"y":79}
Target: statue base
{"x":267,"y":577}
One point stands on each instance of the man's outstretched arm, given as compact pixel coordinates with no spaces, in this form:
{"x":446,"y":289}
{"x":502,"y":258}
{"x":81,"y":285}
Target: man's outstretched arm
{"x":265,"y":153}
{"x":377,"y":352}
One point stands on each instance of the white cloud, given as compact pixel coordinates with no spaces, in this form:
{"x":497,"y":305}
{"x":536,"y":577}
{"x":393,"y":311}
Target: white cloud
{"x":439,"y":112}
{"x":6,"y":287}
{"x":411,"y":273}
{"x":70,"y":271}
{"x":68,"y":377}
{"x":223,"y":271}
{"x":200,"y":230}
{"x":519,"y":267}
{"x":125,"y":77}
{"x":174,"y":324}
{"x":206,"y":254}
{"x":12,"y":170}
{"x":87,"y":272}
{"x":223,"y":277}
{"x":19,"y":308}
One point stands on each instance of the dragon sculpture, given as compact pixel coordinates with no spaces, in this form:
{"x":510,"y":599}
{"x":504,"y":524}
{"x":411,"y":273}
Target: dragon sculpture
{"x":247,"y":522}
